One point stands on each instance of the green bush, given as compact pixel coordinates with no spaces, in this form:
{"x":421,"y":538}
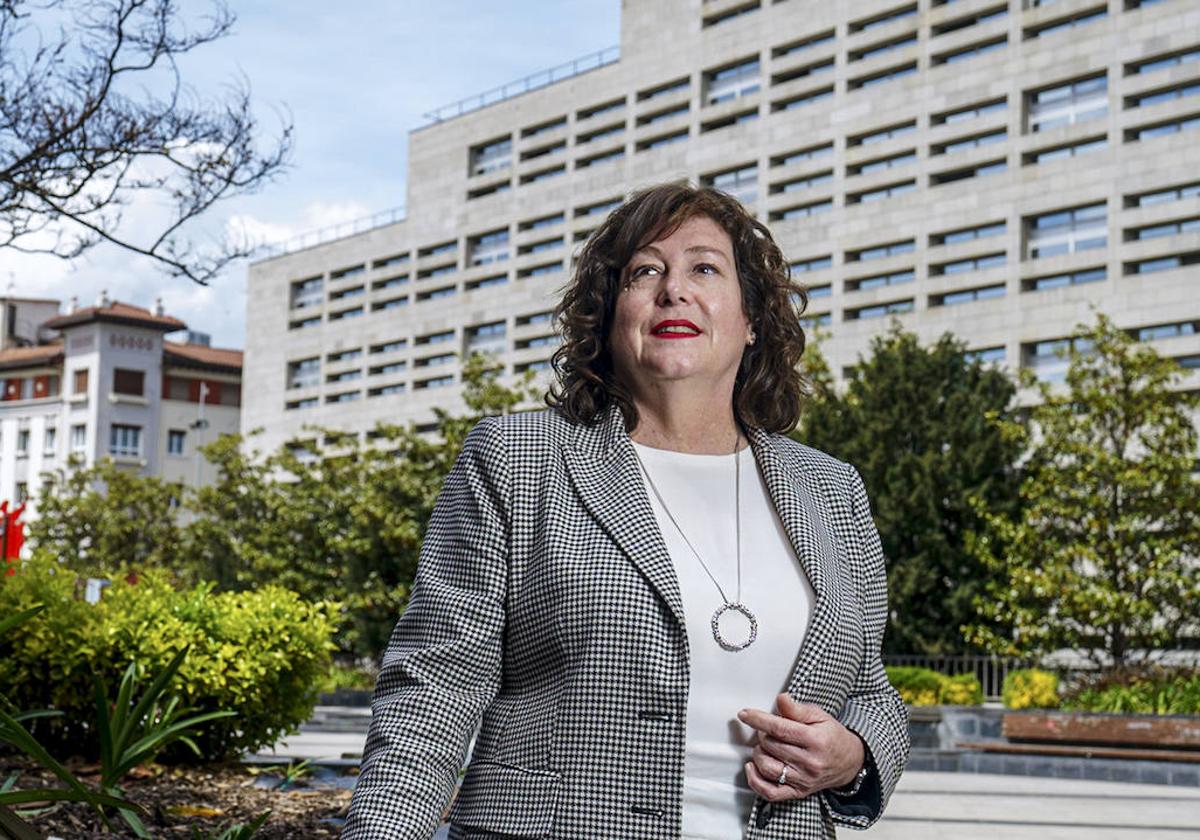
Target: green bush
{"x":262,"y":654}
{"x":1030,"y":688}
{"x":926,"y":687}
{"x":1153,"y":690}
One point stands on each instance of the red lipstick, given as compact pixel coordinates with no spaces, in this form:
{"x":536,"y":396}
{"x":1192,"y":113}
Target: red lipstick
{"x":675,"y":328}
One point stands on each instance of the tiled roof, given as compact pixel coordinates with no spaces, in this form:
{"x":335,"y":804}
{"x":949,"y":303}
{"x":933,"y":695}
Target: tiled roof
{"x":199,"y":355}
{"x":118,"y":313}
{"x":24,"y":357}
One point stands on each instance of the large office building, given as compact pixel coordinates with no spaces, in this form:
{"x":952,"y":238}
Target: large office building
{"x":992,"y":168}
{"x":103,"y":381}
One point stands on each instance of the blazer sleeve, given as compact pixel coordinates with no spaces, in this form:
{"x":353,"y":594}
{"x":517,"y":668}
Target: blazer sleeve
{"x":442,"y":665}
{"x":874,"y":710}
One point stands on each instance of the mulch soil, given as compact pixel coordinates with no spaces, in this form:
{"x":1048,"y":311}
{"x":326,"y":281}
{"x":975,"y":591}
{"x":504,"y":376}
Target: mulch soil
{"x":179,"y":799}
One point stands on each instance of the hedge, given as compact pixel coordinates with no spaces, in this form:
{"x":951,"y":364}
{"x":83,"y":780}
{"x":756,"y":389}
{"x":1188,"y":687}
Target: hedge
{"x":262,"y":654}
{"x":926,"y":687}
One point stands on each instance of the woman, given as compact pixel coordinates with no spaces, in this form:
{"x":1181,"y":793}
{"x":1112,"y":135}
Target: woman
{"x":666,"y":614}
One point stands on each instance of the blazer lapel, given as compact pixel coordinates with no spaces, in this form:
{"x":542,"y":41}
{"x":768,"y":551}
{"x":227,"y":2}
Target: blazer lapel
{"x":800,"y":505}
{"x":605,"y":471}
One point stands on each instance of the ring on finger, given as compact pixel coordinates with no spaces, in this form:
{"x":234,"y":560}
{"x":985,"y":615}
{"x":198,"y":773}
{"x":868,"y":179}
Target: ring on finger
{"x":782,"y":780}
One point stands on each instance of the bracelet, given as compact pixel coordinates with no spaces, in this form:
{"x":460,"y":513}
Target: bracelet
{"x":855,"y":784}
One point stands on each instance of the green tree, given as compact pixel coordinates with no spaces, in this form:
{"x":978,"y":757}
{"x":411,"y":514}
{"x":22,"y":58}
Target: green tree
{"x":103,"y":520}
{"x":915,"y":423}
{"x":342,"y":518}
{"x":1103,"y":557}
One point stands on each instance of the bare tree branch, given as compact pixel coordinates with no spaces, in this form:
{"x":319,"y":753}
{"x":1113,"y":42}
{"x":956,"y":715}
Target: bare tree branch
{"x":95,"y":114}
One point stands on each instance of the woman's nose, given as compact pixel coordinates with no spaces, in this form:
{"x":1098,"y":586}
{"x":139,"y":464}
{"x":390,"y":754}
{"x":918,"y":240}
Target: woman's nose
{"x":671,"y":289}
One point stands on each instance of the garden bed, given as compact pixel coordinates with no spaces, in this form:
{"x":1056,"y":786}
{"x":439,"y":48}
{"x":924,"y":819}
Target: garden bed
{"x":206,"y":799}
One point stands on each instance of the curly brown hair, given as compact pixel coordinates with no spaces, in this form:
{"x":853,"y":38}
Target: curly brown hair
{"x":769,"y":388}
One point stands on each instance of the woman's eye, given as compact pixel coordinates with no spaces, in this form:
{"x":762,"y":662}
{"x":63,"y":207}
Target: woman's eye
{"x":706,"y":268}
{"x":643,"y":270}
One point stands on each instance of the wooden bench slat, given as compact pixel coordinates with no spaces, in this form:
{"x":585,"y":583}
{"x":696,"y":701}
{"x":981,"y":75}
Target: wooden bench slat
{"x":1081,"y":752}
{"x":1104,"y":729}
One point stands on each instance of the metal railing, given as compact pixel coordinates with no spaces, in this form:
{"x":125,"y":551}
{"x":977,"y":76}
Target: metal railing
{"x":989,"y":670}
{"x":329,"y":233}
{"x":533,"y":81}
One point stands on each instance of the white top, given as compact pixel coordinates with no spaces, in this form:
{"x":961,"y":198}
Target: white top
{"x":699,"y":490}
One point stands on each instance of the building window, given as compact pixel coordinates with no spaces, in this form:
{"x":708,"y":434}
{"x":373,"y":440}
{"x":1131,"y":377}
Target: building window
{"x":789,"y":158}
{"x":801,"y":211}
{"x":79,"y":381}
{"x":967,"y":21}
{"x":877,"y":281}
{"x":949,"y":176}
{"x":487,"y":337}
{"x":1066,"y":151}
{"x":780,"y":187}
{"x":1067,"y":104}
{"x":491,"y":156}
{"x":730,"y":14}
{"x":970,"y":112}
{"x":309,"y":292}
{"x":49,"y":439}
{"x":1058,"y":281}
{"x":434,"y":294}
{"x":385,"y":370}
{"x":953,"y":237}
{"x":386,"y":390}
{"x":1163,"y":263}
{"x":600,"y":133}
{"x":487,"y":282}
{"x":1049,"y":360}
{"x":346,"y":396}
{"x":877,"y":252}
{"x":435,"y":338}
{"x":539,"y":341}
{"x":728,"y":83}
{"x":882,"y":164}
{"x":815,"y":68}
{"x":881,"y":310}
{"x":344,"y":376}
{"x":600,"y":207}
{"x":1067,"y":231}
{"x":542,"y":128}
{"x":1162,"y":62}
{"x":603,"y":108}
{"x":175,"y":439}
{"x":392,"y":346}
{"x":1162,"y":129}
{"x":22,"y":441}
{"x":540,"y":270}
{"x":1182,"y":226}
{"x":963,"y":53}
{"x":78,"y":437}
{"x":1163,"y":95}
{"x":1163,"y":196}
{"x":353,"y":291}
{"x":544,"y":151}
{"x":809,"y":42}
{"x":346,"y":313}
{"x":883,"y":19}
{"x":877,"y":193}
{"x":731,"y":120}
{"x":800,"y":99}
{"x":1162,"y":331}
{"x":388,"y":262}
{"x":434,"y":361}
{"x":304,"y":372}
{"x":490,"y":189}
{"x":985,"y":356}
{"x":489,"y":247}
{"x":544,"y":174}
{"x":603,"y":157}
{"x":962,"y":144}
{"x":967,"y":295}
{"x":442,"y":249}
{"x":125,"y":441}
{"x":813,"y":264}
{"x":1070,"y":22}
{"x":435,"y":382}
{"x":884,"y":47}
{"x":883,"y":76}
{"x":308,"y":402}
{"x":543,"y":221}
{"x":741,"y":183}
{"x":304,"y":322}
{"x":880,"y":134}
{"x":537,"y":366}
{"x":132,"y":382}
{"x":344,"y":355}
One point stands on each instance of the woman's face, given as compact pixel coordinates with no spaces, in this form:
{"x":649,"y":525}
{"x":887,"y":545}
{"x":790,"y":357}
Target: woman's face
{"x":679,"y":314}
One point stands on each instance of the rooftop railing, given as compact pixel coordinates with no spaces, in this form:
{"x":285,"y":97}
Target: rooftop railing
{"x":329,"y":233}
{"x":533,"y":81}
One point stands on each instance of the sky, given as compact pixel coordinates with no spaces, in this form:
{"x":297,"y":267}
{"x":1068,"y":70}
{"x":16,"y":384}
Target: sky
{"x":354,"y":78}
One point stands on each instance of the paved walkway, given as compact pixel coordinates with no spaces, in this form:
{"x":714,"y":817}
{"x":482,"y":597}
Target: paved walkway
{"x":959,"y":806}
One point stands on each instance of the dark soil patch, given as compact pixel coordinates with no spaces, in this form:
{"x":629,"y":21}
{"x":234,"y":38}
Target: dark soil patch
{"x":178,"y":799}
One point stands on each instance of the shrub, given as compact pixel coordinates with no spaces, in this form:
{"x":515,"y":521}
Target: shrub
{"x":926,"y":687}
{"x":262,"y":654}
{"x":1148,"y":690}
{"x":1030,"y":688}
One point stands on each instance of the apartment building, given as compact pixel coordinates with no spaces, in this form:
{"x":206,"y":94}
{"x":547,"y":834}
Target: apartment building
{"x":103,"y":381}
{"x":993,"y":168}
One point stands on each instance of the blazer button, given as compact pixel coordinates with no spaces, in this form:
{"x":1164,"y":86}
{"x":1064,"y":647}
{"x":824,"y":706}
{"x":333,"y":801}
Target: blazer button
{"x":764,"y":814}
{"x":646,"y":811}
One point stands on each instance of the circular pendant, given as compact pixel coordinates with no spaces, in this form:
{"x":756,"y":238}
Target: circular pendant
{"x":716,"y":626}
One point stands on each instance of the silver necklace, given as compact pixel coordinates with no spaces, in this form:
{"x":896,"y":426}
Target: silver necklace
{"x":726,"y":605}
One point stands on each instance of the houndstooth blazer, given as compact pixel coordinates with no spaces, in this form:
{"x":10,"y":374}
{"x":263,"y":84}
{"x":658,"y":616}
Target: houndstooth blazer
{"x":546,"y":609}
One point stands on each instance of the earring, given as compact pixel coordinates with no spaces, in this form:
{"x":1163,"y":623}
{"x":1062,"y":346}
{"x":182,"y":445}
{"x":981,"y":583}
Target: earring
{"x":753,"y":338}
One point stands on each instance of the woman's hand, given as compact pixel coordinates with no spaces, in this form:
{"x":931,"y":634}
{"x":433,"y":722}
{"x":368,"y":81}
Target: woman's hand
{"x":817,"y":751}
